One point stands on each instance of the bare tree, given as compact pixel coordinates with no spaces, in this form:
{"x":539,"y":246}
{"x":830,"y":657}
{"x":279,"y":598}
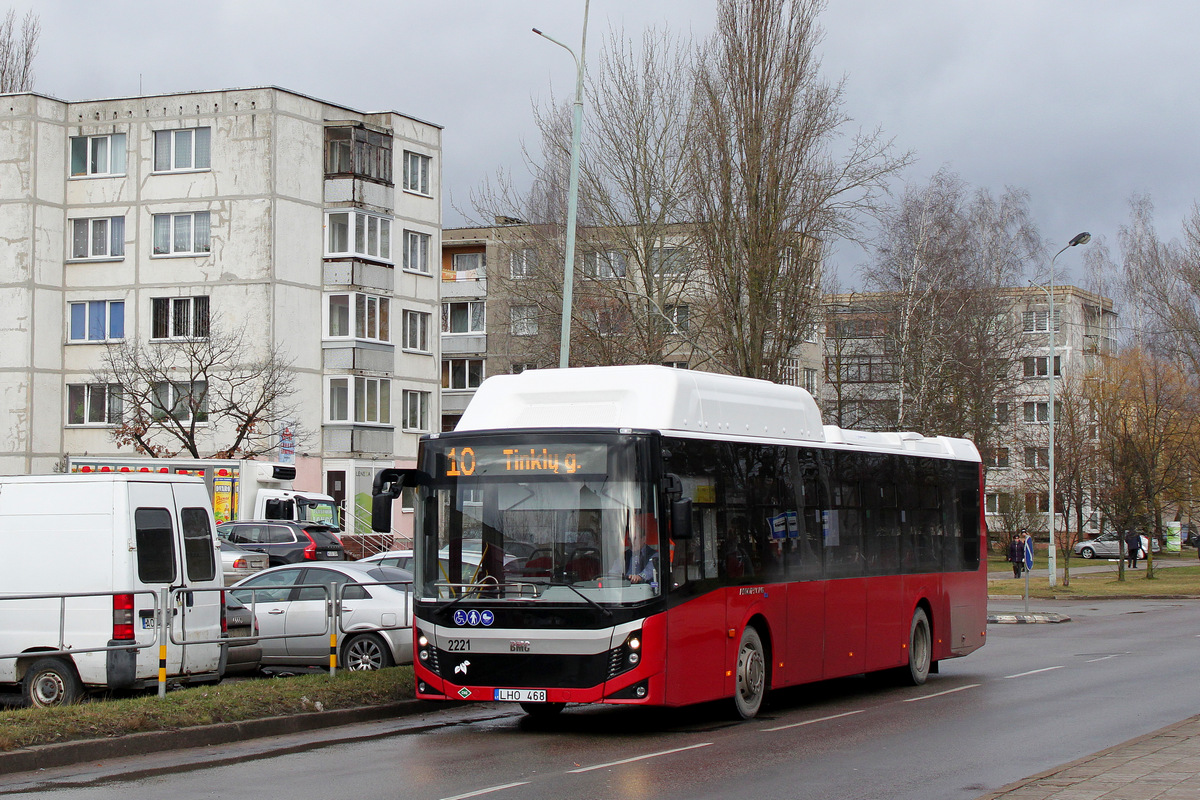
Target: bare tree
{"x":1076,"y":460}
{"x":1149,"y":420}
{"x":635,"y":282}
{"x":767,"y":191}
{"x":18,"y":49}
{"x":201,"y":396}
{"x":942,"y":267}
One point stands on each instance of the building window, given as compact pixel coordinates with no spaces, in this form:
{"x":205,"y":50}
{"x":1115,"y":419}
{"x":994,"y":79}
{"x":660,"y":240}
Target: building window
{"x":810,"y":380}
{"x":1001,"y":413}
{"x":465,"y":317}
{"x":416,"y":331}
{"x":523,"y":263}
{"x":182,"y":234}
{"x":98,"y":156}
{"x":999,"y":502}
{"x":416,"y":252}
{"x":1040,"y":412}
{"x":466,"y":267}
{"x":523,"y":320}
{"x":416,"y":411}
{"x":517,"y":369}
{"x":182,"y":150}
{"x":1037,"y":321}
{"x":678,"y":315}
{"x":353,"y":233}
{"x":93,"y":404}
{"x":675,"y":364}
{"x":1035,"y":366}
{"x":97,"y":321}
{"x":178,"y":317}
{"x":360,"y":400}
{"x":1037,"y":457}
{"x":996,"y":457}
{"x":416,"y":173}
{"x":668,"y":260}
{"x":371,"y":316}
{"x":462,"y":373}
{"x":604,"y":264}
{"x":186,"y":402}
{"x":358,"y":152}
{"x":1037,"y":502}
{"x":102,"y":237}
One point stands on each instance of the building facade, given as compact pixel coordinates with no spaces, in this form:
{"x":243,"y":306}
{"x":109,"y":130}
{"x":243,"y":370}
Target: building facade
{"x":304,"y":226}
{"x":862,"y":374}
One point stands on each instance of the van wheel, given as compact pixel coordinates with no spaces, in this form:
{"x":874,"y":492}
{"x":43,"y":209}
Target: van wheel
{"x":51,"y":682}
{"x":751,"y":674}
{"x":920,"y":649}
{"x":366,"y":651}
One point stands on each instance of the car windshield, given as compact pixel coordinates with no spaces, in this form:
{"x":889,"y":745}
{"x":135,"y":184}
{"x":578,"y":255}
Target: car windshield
{"x":564,"y":520}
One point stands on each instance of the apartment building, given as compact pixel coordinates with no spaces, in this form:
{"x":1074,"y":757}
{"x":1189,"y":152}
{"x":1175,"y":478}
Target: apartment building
{"x":861,"y":374}
{"x":501,"y":312}
{"x":305,"y":225}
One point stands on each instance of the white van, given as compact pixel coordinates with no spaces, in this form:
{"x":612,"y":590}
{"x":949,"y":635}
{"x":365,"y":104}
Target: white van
{"x":120,"y":539}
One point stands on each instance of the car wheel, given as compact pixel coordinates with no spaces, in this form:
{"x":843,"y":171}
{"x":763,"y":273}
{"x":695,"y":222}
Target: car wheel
{"x":366,"y":651}
{"x":51,"y":682}
{"x":1087,"y":552}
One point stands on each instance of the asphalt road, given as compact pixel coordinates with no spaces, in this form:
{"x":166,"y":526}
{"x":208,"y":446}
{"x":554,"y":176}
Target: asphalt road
{"x":1036,"y":696}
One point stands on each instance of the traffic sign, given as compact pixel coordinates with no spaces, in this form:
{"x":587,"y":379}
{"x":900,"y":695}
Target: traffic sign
{"x":1029,"y":553}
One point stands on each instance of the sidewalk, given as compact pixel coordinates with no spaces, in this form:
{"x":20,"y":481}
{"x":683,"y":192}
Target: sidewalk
{"x":1158,"y":766}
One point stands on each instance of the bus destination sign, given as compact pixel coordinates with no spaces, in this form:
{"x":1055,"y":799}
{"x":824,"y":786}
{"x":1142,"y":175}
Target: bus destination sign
{"x":532,"y":460}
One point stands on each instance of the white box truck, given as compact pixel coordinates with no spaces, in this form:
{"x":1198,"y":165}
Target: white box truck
{"x":241,"y":489}
{"x":98,"y":550}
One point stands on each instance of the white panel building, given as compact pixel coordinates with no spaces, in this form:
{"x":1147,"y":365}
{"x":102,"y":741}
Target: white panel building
{"x":307,"y":225}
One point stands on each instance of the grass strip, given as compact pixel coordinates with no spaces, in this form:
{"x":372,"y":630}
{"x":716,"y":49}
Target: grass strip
{"x":204,"y":705}
{"x":1173,"y":582}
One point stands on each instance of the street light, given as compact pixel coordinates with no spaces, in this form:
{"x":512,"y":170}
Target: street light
{"x":1080,"y":238}
{"x":564,"y":342}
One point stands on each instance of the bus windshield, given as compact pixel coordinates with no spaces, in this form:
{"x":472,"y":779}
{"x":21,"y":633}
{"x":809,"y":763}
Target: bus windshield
{"x":538,"y":518}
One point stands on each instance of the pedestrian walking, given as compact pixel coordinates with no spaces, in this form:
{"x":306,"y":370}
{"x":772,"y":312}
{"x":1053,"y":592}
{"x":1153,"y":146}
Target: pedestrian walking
{"x":1133,"y":543}
{"x":1016,"y":554}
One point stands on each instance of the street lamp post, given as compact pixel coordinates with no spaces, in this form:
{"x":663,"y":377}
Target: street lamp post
{"x":564,"y":342}
{"x":1081,"y":238}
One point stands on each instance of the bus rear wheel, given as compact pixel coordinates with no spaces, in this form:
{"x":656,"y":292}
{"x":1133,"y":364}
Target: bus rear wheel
{"x":751,"y":674}
{"x":920,"y":649}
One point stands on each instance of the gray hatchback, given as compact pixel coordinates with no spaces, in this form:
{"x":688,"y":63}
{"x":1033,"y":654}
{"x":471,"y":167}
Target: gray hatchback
{"x":285,"y":542}
{"x":1106,"y":545}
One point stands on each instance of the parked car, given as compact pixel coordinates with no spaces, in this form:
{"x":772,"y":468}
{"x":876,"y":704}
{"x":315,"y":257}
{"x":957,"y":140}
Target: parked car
{"x":237,"y":562}
{"x":240,"y":657}
{"x":1106,"y":545}
{"x":376,"y":622}
{"x":285,"y":542}
{"x":403,"y":559}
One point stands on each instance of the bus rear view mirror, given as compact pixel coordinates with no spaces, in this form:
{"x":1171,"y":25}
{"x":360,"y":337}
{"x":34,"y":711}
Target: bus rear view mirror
{"x":681,"y":518}
{"x":387,"y":486}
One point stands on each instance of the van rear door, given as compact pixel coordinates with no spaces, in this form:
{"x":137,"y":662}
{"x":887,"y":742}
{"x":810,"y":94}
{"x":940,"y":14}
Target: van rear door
{"x":174,"y":549}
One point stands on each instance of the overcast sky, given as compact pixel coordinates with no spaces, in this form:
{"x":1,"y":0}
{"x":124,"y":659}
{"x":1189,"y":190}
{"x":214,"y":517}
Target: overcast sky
{"x":1080,"y":102}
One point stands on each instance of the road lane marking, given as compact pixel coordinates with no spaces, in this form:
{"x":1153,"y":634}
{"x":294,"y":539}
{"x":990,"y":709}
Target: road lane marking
{"x":636,"y":758}
{"x":1104,"y":658}
{"x":1034,"y":672}
{"x":812,"y":721}
{"x":939,"y":694}
{"x":488,"y":790}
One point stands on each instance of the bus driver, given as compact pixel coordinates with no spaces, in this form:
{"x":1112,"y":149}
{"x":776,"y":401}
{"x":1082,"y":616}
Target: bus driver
{"x":641,"y":560}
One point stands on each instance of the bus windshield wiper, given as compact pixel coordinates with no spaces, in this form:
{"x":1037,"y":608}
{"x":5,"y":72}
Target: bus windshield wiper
{"x":586,"y":599}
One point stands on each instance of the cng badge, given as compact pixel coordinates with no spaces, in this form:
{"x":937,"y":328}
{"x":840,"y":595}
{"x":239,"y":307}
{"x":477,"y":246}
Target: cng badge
{"x":464,"y":693}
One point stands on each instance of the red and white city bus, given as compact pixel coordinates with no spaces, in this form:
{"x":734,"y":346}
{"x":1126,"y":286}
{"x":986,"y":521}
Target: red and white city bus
{"x":654,"y":536}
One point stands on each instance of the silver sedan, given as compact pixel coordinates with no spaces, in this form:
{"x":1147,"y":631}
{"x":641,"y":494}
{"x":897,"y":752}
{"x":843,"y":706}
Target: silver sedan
{"x":290,"y":603}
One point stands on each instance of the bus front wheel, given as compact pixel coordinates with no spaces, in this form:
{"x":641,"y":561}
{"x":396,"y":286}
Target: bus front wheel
{"x":751,"y":674}
{"x":920,"y":648}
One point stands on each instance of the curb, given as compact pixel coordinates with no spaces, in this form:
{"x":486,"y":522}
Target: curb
{"x":1032,"y":618}
{"x":62,"y":754}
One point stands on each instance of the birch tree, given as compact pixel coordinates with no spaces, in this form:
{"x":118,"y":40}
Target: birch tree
{"x":18,"y":49}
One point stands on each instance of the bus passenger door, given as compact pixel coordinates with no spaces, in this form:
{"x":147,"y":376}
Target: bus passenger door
{"x":696,"y":637}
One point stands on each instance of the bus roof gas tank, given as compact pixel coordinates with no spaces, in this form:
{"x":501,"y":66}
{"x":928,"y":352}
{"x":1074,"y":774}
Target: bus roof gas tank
{"x":647,"y":397}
